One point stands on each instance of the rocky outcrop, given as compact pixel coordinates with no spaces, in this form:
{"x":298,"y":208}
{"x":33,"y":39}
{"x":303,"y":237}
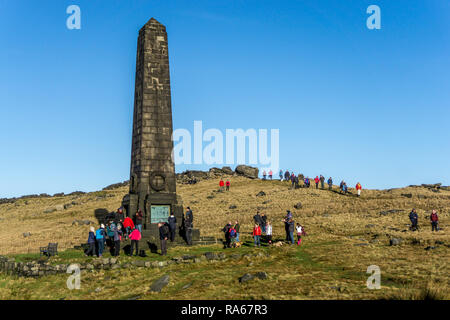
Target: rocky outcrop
{"x":247,"y":171}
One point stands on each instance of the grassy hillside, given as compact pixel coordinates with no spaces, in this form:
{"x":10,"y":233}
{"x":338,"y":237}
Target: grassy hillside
{"x":346,"y":234}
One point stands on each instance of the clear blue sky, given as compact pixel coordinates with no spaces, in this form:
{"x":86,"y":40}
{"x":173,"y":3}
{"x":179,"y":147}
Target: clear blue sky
{"x":358,"y":104}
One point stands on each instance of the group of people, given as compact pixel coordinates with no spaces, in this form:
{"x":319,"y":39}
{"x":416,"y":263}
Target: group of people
{"x":263,"y":227}
{"x":120,"y":228}
{"x":117,"y":228}
{"x":414,"y":218}
{"x":223,"y":185}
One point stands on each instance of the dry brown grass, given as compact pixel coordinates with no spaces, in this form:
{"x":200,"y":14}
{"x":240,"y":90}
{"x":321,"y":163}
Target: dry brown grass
{"x":336,"y":226}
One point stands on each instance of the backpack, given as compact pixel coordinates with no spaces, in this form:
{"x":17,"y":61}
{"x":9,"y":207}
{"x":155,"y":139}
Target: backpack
{"x":165,"y":230}
{"x":99,"y":234}
{"x":232,"y":232}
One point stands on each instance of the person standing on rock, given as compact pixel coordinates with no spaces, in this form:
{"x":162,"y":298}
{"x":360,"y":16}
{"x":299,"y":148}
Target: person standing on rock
{"x":227,"y":184}
{"x":257,"y":235}
{"x":322,"y":182}
{"x":358,"y":189}
{"x":135,"y":237}
{"x":100,"y":235}
{"x":138,"y":218}
{"x":330,"y":183}
{"x":91,"y":242}
{"x":221,"y":185}
{"x":270,"y":174}
{"x":316,"y":181}
{"x":434,"y":221}
{"x":163,"y":236}
{"x":172,"y":226}
{"x":189,"y":225}
{"x":414,"y":218}
{"x":117,"y":237}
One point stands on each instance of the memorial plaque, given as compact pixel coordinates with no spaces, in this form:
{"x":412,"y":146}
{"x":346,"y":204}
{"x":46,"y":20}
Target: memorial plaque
{"x":159,"y":213}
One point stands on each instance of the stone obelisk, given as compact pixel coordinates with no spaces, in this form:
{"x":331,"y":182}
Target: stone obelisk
{"x":152,"y":173}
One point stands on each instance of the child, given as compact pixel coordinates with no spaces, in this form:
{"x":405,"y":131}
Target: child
{"x":257,"y":235}
{"x":299,"y":234}
{"x":269,"y":232}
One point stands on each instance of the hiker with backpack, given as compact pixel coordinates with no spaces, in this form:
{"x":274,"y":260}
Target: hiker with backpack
{"x":434,"y":221}
{"x":322,"y":182}
{"x":91,"y":242}
{"x":172,"y":226}
{"x":287,"y":176}
{"x":100,"y":235}
{"x":257,"y":235}
{"x":135,"y":237}
{"x":293,"y":181}
{"x":414,"y":218}
{"x":163,"y":236}
{"x":330,"y":183}
{"x":226,"y":231}
{"x":232,"y":233}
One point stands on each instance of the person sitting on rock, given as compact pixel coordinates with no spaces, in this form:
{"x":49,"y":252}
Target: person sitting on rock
{"x":414,"y":219}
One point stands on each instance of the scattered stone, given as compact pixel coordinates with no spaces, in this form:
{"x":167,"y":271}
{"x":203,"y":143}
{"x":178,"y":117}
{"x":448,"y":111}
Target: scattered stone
{"x":261,"y":275}
{"x":438,"y":242}
{"x":98,"y":289}
{"x":26,"y":234}
{"x":430,"y":248}
{"x":50,"y":210}
{"x":385,"y":213}
{"x":298,"y":205}
{"x":261,"y":194}
{"x":267,"y":201}
{"x":210,"y":196}
{"x":370,"y":225}
{"x":159,"y":284}
{"x":233,"y":206}
{"x":186,"y":286}
{"x":59,"y":207}
{"x":395,"y":241}
{"x":360,"y":244}
{"x":246,"y":277}
{"x":407,"y":195}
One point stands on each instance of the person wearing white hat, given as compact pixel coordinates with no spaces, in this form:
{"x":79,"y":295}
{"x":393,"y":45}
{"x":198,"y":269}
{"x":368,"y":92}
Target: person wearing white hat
{"x":100,"y":235}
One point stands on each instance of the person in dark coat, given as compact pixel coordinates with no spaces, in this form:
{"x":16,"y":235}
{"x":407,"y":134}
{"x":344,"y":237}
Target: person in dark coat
{"x":322,"y":181}
{"x":163,"y":236}
{"x":264,"y":222}
{"x":172,"y":226}
{"x":189,"y":225}
{"x":226,"y":231}
{"x":330,"y":183}
{"x":291,"y":227}
{"x":116,"y":238}
{"x":257,"y":218}
{"x":414,"y":219}
{"x":138,"y":220}
{"x":286,"y":223}
{"x":434,"y":221}
{"x":91,"y":242}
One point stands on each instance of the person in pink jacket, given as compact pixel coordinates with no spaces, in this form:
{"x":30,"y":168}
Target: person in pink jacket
{"x":135,"y":236}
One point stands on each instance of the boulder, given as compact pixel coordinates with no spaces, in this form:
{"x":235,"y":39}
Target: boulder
{"x":159,"y":284}
{"x":247,"y":171}
{"x":233,"y":206}
{"x":26,"y":234}
{"x":407,"y":195}
{"x":246,"y":277}
{"x":227,"y":170}
{"x":261,"y":194}
{"x":261,"y":275}
{"x":395,"y":241}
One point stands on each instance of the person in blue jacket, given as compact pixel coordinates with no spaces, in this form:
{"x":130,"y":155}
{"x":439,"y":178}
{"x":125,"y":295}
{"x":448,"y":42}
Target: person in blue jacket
{"x":414,"y":219}
{"x":100,"y":235}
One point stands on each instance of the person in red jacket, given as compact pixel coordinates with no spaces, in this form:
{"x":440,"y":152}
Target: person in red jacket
{"x":257,"y":235}
{"x":128,"y":225}
{"x":358,"y":188}
{"x":434,"y":221}
{"x":221,"y":185}
{"x":316,"y":180}
{"x":228,"y":185}
{"x":270,"y":174}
